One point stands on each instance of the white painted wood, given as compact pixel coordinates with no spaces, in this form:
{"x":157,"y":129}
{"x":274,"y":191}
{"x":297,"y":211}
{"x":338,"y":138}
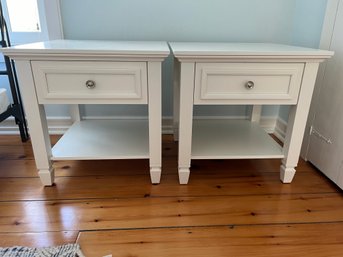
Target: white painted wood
{"x":37,"y":123}
{"x":340,"y":176}
{"x":186,"y":120}
{"x":203,"y":50}
{"x":4,"y":101}
{"x":218,"y":83}
{"x":280,"y":129}
{"x":297,"y":123}
{"x":232,"y":139}
{"x":325,"y":43}
{"x":251,"y":60}
{"x":72,"y":101}
{"x":287,"y":174}
{"x":125,"y":82}
{"x":329,"y":23}
{"x":256,"y":113}
{"x":89,"y":48}
{"x":184,"y":176}
{"x":74,"y":111}
{"x":53,"y":19}
{"x":104,"y":139}
{"x":176,"y":99}
{"x":47,"y":177}
{"x":326,"y":144}
{"x":155,"y":120}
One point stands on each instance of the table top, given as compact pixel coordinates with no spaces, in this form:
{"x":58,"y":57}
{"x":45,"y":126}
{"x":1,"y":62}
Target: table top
{"x":198,"y":49}
{"x":90,"y":47}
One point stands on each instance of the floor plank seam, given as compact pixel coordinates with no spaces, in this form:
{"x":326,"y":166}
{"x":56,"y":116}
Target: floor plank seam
{"x":156,"y":197}
{"x":213,"y":226}
{"x":38,"y":232}
{"x":230,"y":226}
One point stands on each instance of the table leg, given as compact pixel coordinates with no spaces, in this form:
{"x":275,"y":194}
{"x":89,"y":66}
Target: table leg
{"x":176,"y":99}
{"x":155,"y":120}
{"x":74,"y":110}
{"x":186,"y":120}
{"x":256,"y":113}
{"x":37,"y":123}
{"x":297,"y":123}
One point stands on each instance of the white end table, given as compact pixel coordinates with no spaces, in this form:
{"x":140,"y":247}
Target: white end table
{"x":92,"y":72}
{"x":241,"y":74}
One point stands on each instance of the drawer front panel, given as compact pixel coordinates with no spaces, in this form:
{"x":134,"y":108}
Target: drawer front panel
{"x":121,"y":82}
{"x":224,"y":83}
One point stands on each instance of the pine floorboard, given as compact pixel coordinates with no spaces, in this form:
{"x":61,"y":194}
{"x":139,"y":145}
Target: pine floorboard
{"x":268,"y":240}
{"x":41,"y":239}
{"x":229,"y":208}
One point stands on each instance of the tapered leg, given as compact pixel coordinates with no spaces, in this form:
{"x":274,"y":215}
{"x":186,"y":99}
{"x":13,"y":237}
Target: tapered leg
{"x":176,"y":100}
{"x":37,"y":123}
{"x":47,"y":176}
{"x":186,"y":120}
{"x":297,"y":123}
{"x":155,"y":120}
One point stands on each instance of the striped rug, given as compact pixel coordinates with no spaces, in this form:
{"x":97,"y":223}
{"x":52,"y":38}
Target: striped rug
{"x":68,"y":250}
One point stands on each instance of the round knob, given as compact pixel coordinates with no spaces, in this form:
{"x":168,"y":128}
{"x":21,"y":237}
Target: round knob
{"x":90,"y":84}
{"x":250,"y":85}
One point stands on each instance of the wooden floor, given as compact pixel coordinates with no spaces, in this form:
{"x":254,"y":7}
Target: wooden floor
{"x":230,"y":208}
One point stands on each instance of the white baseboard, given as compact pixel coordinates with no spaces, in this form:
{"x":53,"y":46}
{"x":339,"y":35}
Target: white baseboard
{"x":59,"y":125}
{"x":267,"y":122}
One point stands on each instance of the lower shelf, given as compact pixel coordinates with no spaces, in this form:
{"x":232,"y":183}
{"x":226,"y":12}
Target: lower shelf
{"x":232,"y":139}
{"x":104,"y":139}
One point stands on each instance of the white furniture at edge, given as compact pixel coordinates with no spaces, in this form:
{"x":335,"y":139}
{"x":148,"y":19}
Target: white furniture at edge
{"x":92,"y":72}
{"x":241,"y":74}
{"x":4,"y":102}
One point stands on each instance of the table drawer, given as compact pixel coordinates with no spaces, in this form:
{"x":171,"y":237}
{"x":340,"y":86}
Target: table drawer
{"x":263,"y":83}
{"x":97,"y":82}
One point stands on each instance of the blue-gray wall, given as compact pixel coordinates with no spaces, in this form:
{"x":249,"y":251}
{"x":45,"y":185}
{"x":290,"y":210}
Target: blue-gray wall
{"x":280,"y":21}
{"x":308,"y":21}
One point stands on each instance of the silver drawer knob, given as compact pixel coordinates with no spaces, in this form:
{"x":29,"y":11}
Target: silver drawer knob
{"x":90,"y":84}
{"x":250,"y":85}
